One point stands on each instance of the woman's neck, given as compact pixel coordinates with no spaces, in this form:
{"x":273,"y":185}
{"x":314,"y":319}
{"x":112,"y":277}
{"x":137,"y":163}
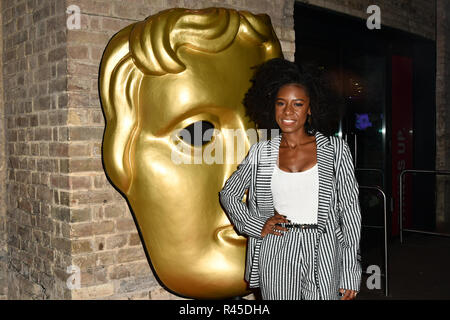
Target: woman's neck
{"x":294,"y":139}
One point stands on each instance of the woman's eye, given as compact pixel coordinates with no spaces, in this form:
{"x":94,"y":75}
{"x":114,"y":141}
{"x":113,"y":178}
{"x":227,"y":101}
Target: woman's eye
{"x":298,"y":104}
{"x":279,"y":103}
{"x":197,"y":134}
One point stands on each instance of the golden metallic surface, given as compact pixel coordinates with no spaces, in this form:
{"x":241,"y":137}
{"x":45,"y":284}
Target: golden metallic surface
{"x":161,"y":75}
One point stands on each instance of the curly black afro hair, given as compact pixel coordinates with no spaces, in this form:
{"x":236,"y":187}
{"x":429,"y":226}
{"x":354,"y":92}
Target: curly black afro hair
{"x":259,"y":100}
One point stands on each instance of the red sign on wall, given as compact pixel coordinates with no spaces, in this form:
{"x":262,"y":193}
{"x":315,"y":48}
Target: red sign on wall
{"x":402,"y":138}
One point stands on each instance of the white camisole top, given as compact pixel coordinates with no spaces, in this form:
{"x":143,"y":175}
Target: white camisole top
{"x":296,"y":194}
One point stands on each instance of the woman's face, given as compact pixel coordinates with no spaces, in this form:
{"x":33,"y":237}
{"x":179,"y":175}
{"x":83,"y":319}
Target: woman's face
{"x":291,"y":108}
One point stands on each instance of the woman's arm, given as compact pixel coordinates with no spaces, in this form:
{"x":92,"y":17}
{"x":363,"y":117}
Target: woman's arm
{"x":350,"y":219}
{"x":232,"y":194}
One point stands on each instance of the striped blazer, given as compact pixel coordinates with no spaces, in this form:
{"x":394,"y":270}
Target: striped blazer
{"x":337,"y":259}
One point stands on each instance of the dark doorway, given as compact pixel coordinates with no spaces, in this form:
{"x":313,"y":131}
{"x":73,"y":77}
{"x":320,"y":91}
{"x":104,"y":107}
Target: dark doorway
{"x":386,"y":78}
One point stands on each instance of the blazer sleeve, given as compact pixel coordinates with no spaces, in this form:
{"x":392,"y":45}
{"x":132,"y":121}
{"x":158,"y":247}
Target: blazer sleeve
{"x":350,"y":220}
{"x":232,"y":194}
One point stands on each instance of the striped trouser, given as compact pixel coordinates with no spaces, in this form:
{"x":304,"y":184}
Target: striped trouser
{"x":286,"y":266}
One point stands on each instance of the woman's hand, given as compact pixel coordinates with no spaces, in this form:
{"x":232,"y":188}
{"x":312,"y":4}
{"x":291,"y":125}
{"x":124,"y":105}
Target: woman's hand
{"x":348,"y":294}
{"x":271,"y":227}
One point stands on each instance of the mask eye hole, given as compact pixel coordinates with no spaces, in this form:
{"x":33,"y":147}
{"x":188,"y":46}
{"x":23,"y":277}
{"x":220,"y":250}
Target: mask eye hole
{"x":197,"y":134}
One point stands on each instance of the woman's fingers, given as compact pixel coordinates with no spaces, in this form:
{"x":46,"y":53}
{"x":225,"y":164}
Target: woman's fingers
{"x":348,"y":294}
{"x":279,"y":219}
{"x":272,"y":225}
{"x":276,"y":233}
{"x":268,"y":228}
{"x":277,"y":214}
{"x":276,"y":230}
{"x":277,"y":227}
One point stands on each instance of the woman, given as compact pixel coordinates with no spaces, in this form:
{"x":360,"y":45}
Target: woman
{"x":303,"y":215}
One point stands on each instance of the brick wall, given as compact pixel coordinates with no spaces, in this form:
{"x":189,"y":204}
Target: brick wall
{"x":443,"y":110}
{"x":3,"y":246}
{"x":35,"y":110}
{"x":414,"y":16}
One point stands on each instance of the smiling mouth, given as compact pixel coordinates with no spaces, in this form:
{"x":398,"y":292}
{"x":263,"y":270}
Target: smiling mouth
{"x":288,"y":122}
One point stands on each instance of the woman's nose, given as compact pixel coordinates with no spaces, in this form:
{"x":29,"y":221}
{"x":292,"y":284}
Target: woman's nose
{"x":288,"y":109}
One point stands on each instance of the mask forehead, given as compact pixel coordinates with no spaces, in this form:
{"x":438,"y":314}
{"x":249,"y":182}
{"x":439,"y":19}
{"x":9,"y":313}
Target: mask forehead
{"x":210,"y":81}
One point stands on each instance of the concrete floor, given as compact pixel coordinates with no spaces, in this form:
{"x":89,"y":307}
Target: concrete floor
{"x":419,"y":268}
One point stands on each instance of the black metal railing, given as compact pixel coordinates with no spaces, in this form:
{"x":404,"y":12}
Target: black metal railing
{"x":400,"y":216}
{"x":386,"y":244}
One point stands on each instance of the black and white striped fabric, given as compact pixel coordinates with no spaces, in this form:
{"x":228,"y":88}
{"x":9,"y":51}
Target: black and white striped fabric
{"x":336,"y":252}
{"x":286,"y":266}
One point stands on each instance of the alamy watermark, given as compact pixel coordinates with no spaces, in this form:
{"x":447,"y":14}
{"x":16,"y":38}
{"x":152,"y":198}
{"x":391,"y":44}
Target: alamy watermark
{"x":74,"y":19}
{"x":374,"y":280}
{"x":213,"y":145}
{"x":374,"y":20}
{"x":74,"y":280}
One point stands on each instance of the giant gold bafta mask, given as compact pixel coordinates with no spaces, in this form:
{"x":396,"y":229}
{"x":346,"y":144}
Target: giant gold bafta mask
{"x":162,"y":74}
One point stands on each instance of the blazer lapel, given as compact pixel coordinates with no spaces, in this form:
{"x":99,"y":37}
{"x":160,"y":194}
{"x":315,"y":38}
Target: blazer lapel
{"x":325,"y":156}
{"x":266,"y":165}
